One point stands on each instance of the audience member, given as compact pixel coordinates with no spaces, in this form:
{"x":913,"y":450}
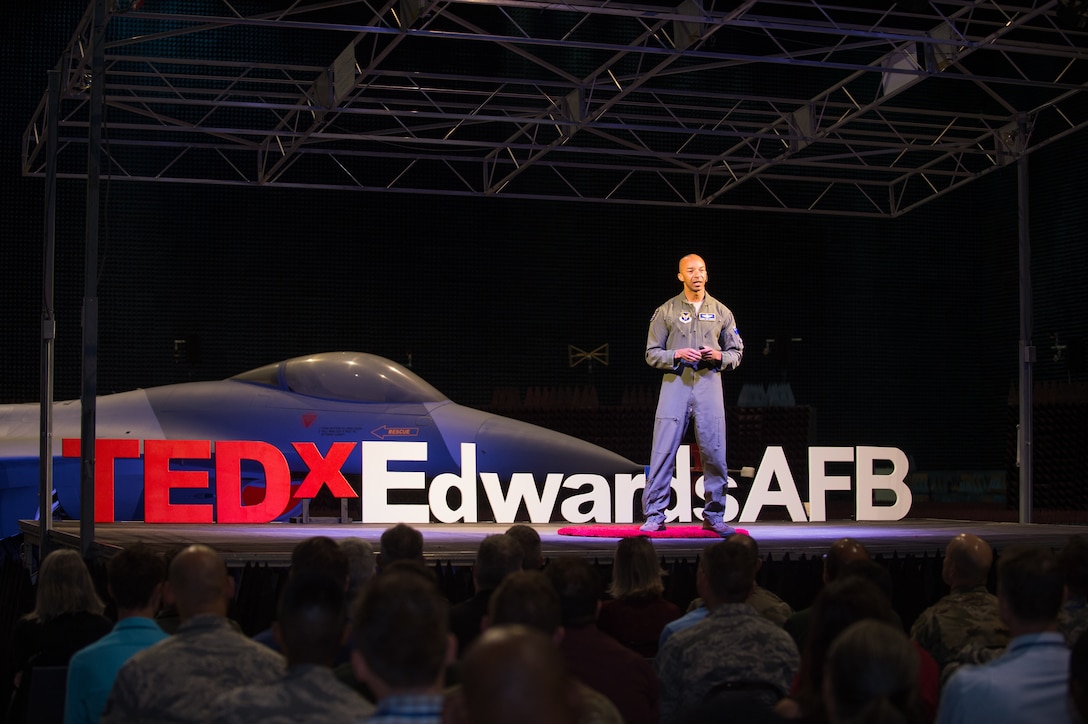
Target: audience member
{"x":965,"y":625}
{"x":67,"y":616}
{"x":400,"y":543}
{"x":528,"y":598}
{"x":1073,"y":620}
{"x":842,"y":602}
{"x":871,"y":676}
{"x":732,"y":644}
{"x":594,"y":657}
{"x":135,"y":580}
{"x":765,"y":602}
{"x":529,"y":539}
{"x":514,"y":673}
{"x":311,"y":626}
{"x":318,"y":554}
{"x":403,"y":644}
{"x":361,"y":565}
{"x":1029,"y":683}
{"x":838,"y":555}
{"x":497,"y":556}
{"x":638,"y":611}
{"x":179,"y":678}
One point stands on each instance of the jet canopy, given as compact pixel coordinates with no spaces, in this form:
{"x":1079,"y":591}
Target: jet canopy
{"x":346,"y":376}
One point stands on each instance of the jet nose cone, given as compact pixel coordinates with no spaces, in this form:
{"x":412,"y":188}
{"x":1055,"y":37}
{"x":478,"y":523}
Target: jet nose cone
{"x":506,"y":446}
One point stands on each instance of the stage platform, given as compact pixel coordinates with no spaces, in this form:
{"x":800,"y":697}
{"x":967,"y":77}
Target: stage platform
{"x":456,"y":543}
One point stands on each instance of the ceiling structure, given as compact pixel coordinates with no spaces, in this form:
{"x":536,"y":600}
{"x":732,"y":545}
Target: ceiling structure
{"x":811,"y":106}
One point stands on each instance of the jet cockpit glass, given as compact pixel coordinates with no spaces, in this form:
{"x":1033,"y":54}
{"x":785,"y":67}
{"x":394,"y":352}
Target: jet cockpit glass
{"x":356,"y":377}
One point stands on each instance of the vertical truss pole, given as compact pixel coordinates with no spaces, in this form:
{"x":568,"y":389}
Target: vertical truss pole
{"x":89,"y":393}
{"x":49,"y":321}
{"x":1025,"y":440}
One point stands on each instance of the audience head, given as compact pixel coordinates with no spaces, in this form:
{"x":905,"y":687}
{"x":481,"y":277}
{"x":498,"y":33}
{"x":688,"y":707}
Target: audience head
{"x":321,"y":554}
{"x":750,"y":542}
{"x":967,"y":561}
{"x":399,"y":543}
{"x":361,"y":564}
{"x":872,"y":676}
{"x":498,"y":556}
{"x":636,"y":572}
{"x":200,"y":582}
{"x":527,"y":598}
{"x":1074,"y":559}
{"x":400,"y":628}
{"x":1030,"y":588}
{"x":64,"y":586}
{"x":311,"y":618}
{"x":529,"y":539}
{"x":840,"y":553}
{"x":579,"y":587}
{"x":516,"y":674}
{"x":136,"y":576}
{"x":726,"y":573}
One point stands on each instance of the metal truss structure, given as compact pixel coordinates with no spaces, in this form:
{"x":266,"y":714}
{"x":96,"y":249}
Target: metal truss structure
{"x":814,"y":106}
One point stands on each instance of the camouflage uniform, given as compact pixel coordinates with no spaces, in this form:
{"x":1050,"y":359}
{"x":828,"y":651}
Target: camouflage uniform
{"x":309,"y":694}
{"x":1073,"y":619}
{"x":963,"y":627}
{"x":179,"y":678}
{"x":733,"y":643}
{"x":769,"y":605}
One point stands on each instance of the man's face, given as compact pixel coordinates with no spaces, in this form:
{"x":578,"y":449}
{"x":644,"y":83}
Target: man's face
{"x":692,"y":274}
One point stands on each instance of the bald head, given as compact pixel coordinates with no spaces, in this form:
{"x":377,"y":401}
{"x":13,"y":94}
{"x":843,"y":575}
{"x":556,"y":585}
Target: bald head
{"x":967,"y":561}
{"x":200,"y":582}
{"x":692,"y":272}
{"x":841,"y":552}
{"x":514,"y":673}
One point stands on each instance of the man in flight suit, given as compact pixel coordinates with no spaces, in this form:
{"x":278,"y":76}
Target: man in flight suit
{"x":693,"y":338}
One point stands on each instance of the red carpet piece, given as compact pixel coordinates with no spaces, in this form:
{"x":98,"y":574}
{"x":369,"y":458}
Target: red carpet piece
{"x":630,"y":531}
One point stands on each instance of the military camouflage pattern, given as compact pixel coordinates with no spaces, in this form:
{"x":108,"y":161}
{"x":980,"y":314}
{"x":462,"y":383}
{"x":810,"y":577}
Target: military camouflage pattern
{"x":180,"y":678}
{"x":733,"y":643}
{"x":963,"y":627}
{"x":309,"y":694}
{"x":1073,"y":619}
{"x":769,"y":605}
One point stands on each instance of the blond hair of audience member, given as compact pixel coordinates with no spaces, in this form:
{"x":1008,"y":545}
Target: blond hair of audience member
{"x":513,"y":673}
{"x":872,"y":676}
{"x":636,"y":572}
{"x":64,"y":586}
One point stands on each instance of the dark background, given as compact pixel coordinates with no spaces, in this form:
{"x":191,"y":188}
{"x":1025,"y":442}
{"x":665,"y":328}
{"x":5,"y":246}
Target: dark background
{"x":909,"y":327}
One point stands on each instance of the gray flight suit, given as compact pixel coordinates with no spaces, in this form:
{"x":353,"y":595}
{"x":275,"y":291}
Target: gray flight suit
{"x":690,"y":391}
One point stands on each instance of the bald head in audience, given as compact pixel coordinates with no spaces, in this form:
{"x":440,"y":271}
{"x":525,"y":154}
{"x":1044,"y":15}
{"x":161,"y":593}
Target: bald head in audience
{"x":841,"y":552}
{"x":200,"y":582}
{"x":516,"y":674}
{"x":967,"y":561}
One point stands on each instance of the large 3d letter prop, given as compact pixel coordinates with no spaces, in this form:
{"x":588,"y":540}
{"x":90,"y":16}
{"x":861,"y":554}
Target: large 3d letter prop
{"x":522,"y":487}
{"x":159,"y":479}
{"x":228,"y":482}
{"x":465,"y":484}
{"x":599,"y":497}
{"x":869,"y":481}
{"x":773,"y":465}
{"x":819,"y":482}
{"x":378,"y":480}
{"x":106,"y":451}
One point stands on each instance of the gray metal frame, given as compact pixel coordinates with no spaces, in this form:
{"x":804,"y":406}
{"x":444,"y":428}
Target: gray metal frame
{"x":789,"y":105}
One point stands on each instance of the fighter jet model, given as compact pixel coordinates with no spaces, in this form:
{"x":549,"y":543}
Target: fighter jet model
{"x":308,"y":408}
